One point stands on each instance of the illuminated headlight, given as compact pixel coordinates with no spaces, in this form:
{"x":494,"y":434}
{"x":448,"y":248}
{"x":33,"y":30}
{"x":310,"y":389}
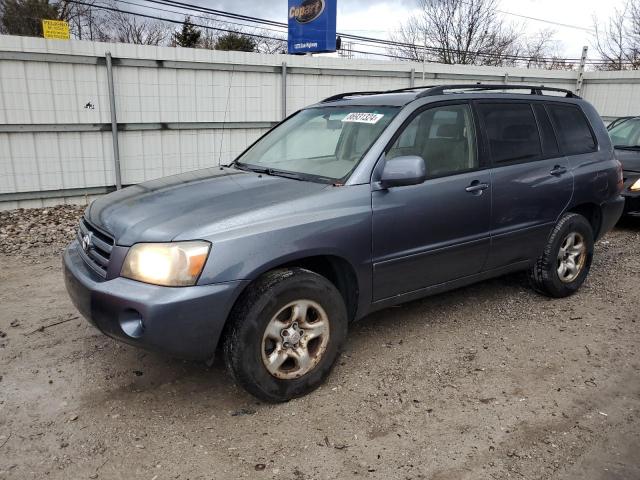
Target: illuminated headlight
{"x":635,"y":187}
{"x":176,"y":264}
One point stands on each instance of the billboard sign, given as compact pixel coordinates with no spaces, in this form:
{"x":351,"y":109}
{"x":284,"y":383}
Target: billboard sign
{"x":312,"y":26}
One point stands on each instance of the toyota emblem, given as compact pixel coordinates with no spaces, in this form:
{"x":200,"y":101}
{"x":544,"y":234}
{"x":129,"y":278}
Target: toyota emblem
{"x":86,"y":242}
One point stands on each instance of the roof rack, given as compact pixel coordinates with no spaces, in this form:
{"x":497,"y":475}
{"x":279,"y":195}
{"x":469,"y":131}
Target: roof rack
{"x":479,"y":87}
{"x":432,"y":90}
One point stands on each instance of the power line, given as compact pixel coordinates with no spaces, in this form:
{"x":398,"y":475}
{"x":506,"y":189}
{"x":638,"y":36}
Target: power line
{"x":551,"y":22}
{"x":348,"y":36}
{"x":388,"y":43}
{"x":201,"y":17}
{"x":170,"y":20}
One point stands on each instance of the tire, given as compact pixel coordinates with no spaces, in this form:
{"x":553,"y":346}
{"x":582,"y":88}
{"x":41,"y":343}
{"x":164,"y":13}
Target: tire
{"x":545,"y":275}
{"x":278,"y":300}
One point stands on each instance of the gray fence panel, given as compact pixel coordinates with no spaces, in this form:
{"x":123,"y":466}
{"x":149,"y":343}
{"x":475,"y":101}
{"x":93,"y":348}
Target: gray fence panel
{"x":184,"y":109}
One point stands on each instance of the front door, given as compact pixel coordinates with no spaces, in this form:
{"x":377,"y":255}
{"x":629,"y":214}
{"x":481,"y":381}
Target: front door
{"x":438,"y":231}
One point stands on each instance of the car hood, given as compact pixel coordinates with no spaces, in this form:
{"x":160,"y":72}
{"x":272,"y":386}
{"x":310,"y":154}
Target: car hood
{"x":162,"y":209}
{"x":630,"y":159}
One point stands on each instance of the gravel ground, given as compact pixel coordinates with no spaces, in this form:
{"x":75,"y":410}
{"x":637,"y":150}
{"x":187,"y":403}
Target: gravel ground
{"x":487,"y":382}
{"x":37,"y":232}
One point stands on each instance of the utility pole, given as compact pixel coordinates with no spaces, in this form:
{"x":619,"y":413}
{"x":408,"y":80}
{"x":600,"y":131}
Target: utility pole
{"x":583,"y":61}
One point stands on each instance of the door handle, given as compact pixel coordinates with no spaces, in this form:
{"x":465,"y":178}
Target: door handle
{"x":558,"y":170}
{"x":477,"y":187}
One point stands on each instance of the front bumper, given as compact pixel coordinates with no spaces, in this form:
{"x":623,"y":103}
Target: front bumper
{"x":185,"y":322}
{"x":632,"y":199}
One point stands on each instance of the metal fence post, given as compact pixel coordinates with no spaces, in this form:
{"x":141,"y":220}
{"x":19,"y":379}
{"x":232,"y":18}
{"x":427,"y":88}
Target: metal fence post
{"x":583,"y":61}
{"x":284,"y":90}
{"x":412,"y":78}
{"x":114,"y":122}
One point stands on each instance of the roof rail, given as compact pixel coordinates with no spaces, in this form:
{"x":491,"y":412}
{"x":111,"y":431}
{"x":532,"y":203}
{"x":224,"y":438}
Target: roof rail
{"x":432,"y":90}
{"x":375,"y":92}
{"x":533,"y":89}
{"x":350,"y":94}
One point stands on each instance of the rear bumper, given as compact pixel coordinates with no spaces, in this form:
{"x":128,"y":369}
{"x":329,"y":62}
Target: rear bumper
{"x":611,"y":213}
{"x":185,"y":322}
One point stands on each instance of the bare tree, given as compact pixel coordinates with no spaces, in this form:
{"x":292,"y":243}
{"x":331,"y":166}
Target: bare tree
{"x":617,"y":41}
{"x":268,"y":43}
{"x":468,"y":32}
{"x":541,"y":50}
{"x":85,"y":21}
{"x":127,"y":28}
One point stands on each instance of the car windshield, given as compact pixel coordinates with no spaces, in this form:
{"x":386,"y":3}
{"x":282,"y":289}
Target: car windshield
{"x":626,"y":134}
{"x":326,"y":143}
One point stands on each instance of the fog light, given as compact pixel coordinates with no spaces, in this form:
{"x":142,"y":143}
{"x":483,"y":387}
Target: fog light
{"x":636,"y":186}
{"x":131,"y":323}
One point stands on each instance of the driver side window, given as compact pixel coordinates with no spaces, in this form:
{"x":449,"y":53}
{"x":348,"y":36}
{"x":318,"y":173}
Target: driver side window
{"x":443,"y":136}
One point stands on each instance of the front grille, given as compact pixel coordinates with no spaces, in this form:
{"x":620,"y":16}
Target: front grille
{"x":98,"y":253}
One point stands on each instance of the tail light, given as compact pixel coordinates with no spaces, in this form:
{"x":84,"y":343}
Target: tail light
{"x":620,"y":181}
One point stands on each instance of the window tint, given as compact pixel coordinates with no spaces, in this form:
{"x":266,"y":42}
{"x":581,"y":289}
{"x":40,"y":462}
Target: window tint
{"x":547,"y":135}
{"x":573,"y":130}
{"x":443,"y":136}
{"x":511,"y":130}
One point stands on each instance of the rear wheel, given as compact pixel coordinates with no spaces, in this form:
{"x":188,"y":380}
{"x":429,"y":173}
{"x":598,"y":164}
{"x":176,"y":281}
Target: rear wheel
{"x":285,"y":334}
{"x":566,"y":259}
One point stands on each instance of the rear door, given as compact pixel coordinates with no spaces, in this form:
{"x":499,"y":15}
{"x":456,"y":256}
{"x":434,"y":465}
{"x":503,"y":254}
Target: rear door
{"x":530,"y":178}
{"x":438,"y":231}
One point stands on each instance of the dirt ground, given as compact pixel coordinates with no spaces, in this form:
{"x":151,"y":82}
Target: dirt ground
{"x":487,"y":382}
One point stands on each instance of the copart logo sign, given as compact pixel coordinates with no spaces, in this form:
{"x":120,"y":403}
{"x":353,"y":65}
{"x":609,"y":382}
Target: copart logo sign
{"x":312,"y":26}
{"x":307,"y":11}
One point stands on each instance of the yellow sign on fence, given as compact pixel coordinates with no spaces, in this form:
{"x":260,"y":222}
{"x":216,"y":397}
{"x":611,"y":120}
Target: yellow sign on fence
{"x":56,"y":29}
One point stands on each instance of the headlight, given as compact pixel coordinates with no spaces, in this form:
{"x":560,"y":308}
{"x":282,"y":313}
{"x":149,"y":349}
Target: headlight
{"x":635,"y":187}
{"x":176,"y":264}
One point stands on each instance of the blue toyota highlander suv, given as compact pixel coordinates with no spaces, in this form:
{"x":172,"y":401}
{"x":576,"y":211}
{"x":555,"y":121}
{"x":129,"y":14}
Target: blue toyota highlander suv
{"x":362,"y":201}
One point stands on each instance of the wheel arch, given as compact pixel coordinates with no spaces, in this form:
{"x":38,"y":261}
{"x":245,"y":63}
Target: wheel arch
{"x":593,"y":213}
{"x":335,"y":268}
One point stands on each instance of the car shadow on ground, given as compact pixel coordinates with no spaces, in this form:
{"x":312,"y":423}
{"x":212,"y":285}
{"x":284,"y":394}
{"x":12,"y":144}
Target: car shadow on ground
{"x":153,"y":374}
{"x":194,"y":382}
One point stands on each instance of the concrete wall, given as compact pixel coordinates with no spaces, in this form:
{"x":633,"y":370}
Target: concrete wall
{"x":184,"y":109}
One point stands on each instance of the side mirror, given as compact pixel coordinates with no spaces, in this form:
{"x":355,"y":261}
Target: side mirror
{"x":402,"y":171}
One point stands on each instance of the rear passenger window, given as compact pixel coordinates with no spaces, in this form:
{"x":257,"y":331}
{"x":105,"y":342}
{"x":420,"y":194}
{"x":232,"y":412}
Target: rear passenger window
{"x":547,"y":135}
{"x":512,"y":131}
{"x":443,"y":136}
{"x":574,"y":134}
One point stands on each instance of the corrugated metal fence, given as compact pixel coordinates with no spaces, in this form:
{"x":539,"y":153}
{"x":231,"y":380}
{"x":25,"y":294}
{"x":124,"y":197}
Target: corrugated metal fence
{"x":183,"y":109}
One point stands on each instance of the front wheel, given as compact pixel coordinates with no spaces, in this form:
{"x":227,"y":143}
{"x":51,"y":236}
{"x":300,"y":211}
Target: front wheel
{"x":565,"y":262}
{"x":285,"y":334}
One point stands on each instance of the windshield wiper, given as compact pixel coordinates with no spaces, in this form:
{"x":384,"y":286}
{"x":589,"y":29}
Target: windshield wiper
{"x":283,"y":173}
{"x":627,"y":147}
{"x":268,"y":171}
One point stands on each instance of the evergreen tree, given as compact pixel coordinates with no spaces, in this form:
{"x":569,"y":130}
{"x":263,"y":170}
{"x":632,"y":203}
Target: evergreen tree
{"x":188,"y":36}
{"x":24,"y":17}
{"x":235,"y":41}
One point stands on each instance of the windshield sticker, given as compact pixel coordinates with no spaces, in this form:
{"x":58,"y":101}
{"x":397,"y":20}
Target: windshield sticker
{"x":361,"y":117}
